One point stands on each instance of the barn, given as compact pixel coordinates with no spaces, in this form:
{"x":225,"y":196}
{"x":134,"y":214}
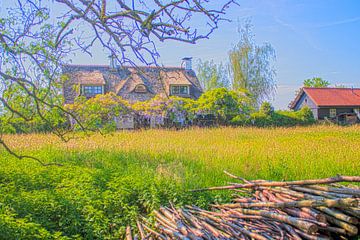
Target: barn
{"x":337,"y":104}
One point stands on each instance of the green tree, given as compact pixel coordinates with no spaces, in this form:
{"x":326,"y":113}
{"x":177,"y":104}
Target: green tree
{"x":266,"y":108}
{"x":212,"y":75}
{"x":224,"y":104}
{"x":98,"y":112}
{"x":316,"y":82}
{"x":251,"y":66}
{"x":36,"y":41}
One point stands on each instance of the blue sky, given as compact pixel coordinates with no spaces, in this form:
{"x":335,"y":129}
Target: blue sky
{"x":311,"y":38}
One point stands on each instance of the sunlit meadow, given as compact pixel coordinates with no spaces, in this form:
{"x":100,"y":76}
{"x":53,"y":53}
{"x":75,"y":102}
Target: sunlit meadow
{"x":106,"y":180}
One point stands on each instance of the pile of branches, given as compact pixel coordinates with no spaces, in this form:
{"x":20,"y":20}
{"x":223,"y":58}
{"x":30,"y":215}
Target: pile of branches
{"x":309,"y":209}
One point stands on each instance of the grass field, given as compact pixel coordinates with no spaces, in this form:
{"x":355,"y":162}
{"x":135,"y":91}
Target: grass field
{"x":105,"y":181}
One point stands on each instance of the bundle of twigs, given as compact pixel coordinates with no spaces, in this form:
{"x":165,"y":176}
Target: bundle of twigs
{"x":310,"y":209}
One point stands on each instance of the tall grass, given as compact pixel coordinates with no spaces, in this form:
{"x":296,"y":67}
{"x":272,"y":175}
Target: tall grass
{"x":107,"y":180}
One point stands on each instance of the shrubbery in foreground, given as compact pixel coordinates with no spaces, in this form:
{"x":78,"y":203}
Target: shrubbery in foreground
{"x":227,"y":107}
{"x":107,"y":180}
{"x":267,"y":117}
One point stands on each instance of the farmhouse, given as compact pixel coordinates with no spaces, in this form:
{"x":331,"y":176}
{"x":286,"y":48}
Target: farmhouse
{"x":131,"y":83}
{"x":339,"y":104}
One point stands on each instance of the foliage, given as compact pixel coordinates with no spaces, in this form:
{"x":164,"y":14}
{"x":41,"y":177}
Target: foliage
{"x":267,"y":117}
{"x":316,"y":82}
{"x":211,"y":75}
{"x":30,"y":66}
{"x":155,"y":106}
{"x":266,"y":108}
{"x":107,"y":180}
{"x":23,"y":114}
{"x":224,"y":104}
{"x":280,"y":118}
{"x":36,"y":40}
{"x":221,"y":102}
{"x":99,"y":112}
{"x":181,"y":106}
{"x":173,"y":107}
{"x":251,"y":66}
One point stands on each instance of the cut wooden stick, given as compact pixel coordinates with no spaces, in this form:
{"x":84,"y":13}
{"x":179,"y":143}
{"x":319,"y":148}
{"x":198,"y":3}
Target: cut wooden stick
{"x":141,"y":230}
{"x":333,"y":229}
{"x":319,"y":192}
{"x":311,"y":237}
{"x":296,"y":222}
{"x":340,"y":203}
{"x":274,"y":210}
{"x":351,"y":230}
{"x":339,"y":215}
{"x":343,"y":190}
{"x":243,"y":230}
{"x":128,"y":233}
{"x":335,"y":179}
{"x":292,"y":232}
{"x":316,"y":214}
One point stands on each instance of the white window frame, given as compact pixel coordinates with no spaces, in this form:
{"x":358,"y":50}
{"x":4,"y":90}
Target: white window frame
{"x":172,"y":92}
{"x":136,"y":89}
{"x":91,"y":94}
{"x":332,"y":112}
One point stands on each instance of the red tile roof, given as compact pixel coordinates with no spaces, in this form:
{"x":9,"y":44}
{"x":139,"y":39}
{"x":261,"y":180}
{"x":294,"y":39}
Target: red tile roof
{"x":328,"y":97}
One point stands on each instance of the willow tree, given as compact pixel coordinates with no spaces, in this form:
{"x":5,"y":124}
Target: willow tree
{"x":212,"y":75}
{"x":36,"y":38}
{"x":251,"y":66}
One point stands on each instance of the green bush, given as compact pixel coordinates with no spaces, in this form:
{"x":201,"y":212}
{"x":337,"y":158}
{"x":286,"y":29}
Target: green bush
{"x":98,"y":112}
{"x":292,"y":118}
{"x":20,"y":113}
{"x":224,"y":104}
{"x":172,"y":107}
{"x":227,"y":106}
{"x":266,"y":108}
{"x":93,"y":196}
{"x":281,"y":118}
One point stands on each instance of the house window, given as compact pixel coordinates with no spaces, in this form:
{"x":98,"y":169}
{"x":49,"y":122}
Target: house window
{"x":179,"y":90}
{"x":92,"y":90}
{"x":140,"y":88}
{"x":332,"y":112}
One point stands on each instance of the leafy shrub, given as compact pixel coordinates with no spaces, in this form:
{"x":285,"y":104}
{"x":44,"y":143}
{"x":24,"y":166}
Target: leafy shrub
{"x":21,"y":113}
{"x":266,"y":117}
{"x":292,"y":118}
{"x":175,"y":109}
{"x":98,"y":112}
{"x":93,"y":196}
{"x":266,"y":108}
{"x":224,"y":104}
{"x":12,"y":227}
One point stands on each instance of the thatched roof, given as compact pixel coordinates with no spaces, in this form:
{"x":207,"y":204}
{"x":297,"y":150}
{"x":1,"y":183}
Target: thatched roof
{"x":124,"y":80}
{"x":88,"y":77}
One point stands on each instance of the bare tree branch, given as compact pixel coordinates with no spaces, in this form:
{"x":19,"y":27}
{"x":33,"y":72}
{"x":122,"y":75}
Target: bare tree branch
{"x":35,"y":45}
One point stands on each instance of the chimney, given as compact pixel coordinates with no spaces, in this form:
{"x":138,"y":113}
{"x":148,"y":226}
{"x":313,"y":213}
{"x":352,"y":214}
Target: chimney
{"x":112,"y":58}
{"x":187,"y":62}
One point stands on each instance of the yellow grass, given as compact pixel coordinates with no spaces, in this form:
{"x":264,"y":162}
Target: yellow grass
{"x":281,"y":153}
{"x":108,"y":180}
